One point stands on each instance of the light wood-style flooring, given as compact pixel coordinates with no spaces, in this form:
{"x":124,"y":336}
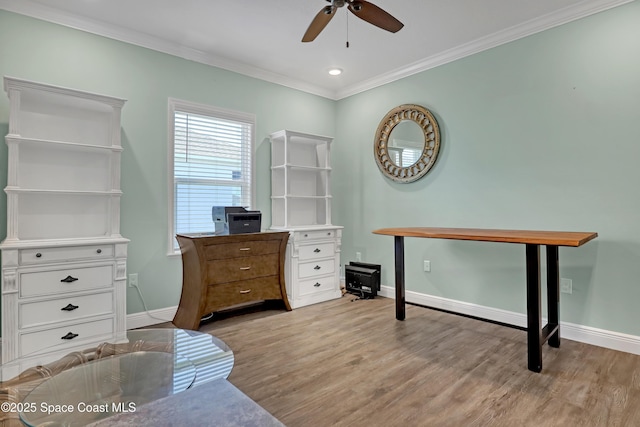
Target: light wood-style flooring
{"x":350,"y":363}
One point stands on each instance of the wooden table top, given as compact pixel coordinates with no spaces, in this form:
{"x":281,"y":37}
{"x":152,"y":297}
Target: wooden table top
{"x":536,"y":237}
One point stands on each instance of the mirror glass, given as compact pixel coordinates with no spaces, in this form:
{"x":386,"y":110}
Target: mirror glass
{"x":406,"y":143}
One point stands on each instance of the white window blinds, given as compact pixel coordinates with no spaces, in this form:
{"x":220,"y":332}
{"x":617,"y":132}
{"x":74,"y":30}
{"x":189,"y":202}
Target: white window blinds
{"x":211,"y":165}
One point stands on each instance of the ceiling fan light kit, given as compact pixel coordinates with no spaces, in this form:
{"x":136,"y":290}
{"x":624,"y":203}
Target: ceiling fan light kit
{"x":364,"y":10}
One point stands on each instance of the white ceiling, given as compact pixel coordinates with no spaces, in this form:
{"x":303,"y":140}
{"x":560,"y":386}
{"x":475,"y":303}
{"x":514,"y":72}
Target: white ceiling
{"x":261,"y":38}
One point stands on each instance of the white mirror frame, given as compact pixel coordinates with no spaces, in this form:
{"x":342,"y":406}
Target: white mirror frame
{"x":423,"y":118}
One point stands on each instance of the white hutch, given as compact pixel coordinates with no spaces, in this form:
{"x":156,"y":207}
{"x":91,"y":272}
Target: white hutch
{"x":301,"y":204}
{"x":63,"y":259}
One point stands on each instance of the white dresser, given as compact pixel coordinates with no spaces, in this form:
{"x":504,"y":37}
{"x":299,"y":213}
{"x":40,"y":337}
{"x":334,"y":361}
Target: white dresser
{"x":301,"y":204}
{"x":63,"y":259}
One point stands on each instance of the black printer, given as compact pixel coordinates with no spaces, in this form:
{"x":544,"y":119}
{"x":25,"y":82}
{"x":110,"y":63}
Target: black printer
{"x":235,"y":220}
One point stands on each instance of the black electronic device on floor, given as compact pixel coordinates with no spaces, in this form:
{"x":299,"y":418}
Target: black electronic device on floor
{"x":362,"y":279}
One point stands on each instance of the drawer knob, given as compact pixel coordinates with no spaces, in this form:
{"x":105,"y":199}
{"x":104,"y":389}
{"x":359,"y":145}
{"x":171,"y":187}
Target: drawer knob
{"x":317,"y":285}
{"x":316,"y":250}
{"x":245,"y":268}
{"x":69,"y":336}
{"x":245,"y":249}
{"x":69,"y":307}
{"x":69,"y":279}
{"x":306,"y":235}
{"x":38,"y":255}
{"x":246,"y":291}
{"x":99,"y":251}
{"x":317,"y":267}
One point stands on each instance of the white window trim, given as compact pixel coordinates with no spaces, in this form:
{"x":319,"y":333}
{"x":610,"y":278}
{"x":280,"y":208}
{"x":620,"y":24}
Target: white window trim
{"x":207,"y":110}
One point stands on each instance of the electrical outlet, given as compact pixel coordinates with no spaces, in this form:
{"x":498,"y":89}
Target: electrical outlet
{"x":133,"y":280}
{"x":359,"y":256}
{"x":566,"y":286}
{"x":426,"y":265}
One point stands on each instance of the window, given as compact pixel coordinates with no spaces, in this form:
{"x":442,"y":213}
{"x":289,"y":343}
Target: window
{"x":211,"y":162}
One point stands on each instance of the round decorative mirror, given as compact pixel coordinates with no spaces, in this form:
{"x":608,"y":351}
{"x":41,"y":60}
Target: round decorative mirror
{"x":407,"y":143}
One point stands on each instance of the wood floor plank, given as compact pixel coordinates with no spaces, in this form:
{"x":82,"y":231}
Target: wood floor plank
{"x":351,"y":363}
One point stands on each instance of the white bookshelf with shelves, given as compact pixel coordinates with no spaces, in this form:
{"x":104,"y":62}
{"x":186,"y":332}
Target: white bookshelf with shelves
{"x":63,"y":219}
{"x":301,"y":203}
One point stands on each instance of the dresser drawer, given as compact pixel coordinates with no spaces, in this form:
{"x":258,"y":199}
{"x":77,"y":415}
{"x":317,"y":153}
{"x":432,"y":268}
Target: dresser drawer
{"x":228,"y":294}
{"x":50,"y":282}
{"x":241,"y":249}
{"x":322,"y":250}
{"x":315,"y":234}
{"x":317,"y":268}
{"x":65,"y":254}
{"x":323,"y":284}
{"x":50,"y":311}
{"x":234,"y":269}
{"x":42,"y":340}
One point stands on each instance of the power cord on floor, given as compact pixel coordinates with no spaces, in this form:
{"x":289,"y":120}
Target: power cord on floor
{"x":146,"y":310}
{"x":144,"y":304}
{"x":362,"y":296}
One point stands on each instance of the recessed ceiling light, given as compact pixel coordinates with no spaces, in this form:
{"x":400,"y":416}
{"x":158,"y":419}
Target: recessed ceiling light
{"x":335,"y":71}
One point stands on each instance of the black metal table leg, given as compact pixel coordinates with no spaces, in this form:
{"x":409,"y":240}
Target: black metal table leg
{"x":553,"y":295}
{"x":534,"y":315}
{"x":399,"y":252}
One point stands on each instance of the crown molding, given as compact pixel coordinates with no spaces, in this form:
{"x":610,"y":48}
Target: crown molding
{"x":545,"y":22}
{"x":45,"y":13}
{"x":563,"y":16}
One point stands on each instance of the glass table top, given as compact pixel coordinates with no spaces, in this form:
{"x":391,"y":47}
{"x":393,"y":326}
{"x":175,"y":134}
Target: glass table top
{"x":107,"y":386}
{"x":212,"y":358}
{"x":151,"y":364}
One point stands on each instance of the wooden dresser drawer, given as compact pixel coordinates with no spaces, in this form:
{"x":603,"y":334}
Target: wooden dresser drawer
{"x":226,"y":270}
{"x":65,"y":254}
{"x":321,"y":250}
{"x":317,"y":268}
{"x":50,"y":311}
{"x":41,"y":340}
{"x":234,"y":269}
{"x":61,"y":280}
{"x":229,"y":294}
{"x":242,"y":249}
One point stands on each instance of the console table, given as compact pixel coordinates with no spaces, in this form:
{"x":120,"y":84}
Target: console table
{"x":220,"y":271}
{"x":536,"y":334}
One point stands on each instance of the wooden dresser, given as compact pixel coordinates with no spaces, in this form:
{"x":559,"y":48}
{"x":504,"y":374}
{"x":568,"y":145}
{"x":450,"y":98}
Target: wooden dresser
{"x":223,"y":271}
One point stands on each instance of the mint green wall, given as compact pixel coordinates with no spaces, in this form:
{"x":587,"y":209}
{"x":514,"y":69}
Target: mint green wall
{"x":39,"y":51}
{"x":541,"y":133}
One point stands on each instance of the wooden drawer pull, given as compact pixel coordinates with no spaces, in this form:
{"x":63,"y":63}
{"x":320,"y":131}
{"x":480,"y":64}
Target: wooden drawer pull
{"x":317,"y":267}
{"x":69,"y":307}
{"x":69,"y":279}
{"x":246,"y":291}
{"x":317,"y":285}
{"x":317,"y":250}
{"x":69,"y":336}
{"x":245,"y":268}
{"x":245,"y":249}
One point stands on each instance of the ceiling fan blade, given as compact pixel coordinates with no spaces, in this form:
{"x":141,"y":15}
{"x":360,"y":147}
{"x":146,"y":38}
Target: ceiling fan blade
{"x":374,"y":15}
{"x":319,"y":22}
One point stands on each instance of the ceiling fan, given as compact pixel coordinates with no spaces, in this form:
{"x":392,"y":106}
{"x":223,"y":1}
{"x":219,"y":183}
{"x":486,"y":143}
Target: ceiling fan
{"x":362,"y":9}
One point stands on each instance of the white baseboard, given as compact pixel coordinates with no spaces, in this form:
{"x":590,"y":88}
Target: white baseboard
{"x":586,"y":334}
{"x":152,"y":317}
